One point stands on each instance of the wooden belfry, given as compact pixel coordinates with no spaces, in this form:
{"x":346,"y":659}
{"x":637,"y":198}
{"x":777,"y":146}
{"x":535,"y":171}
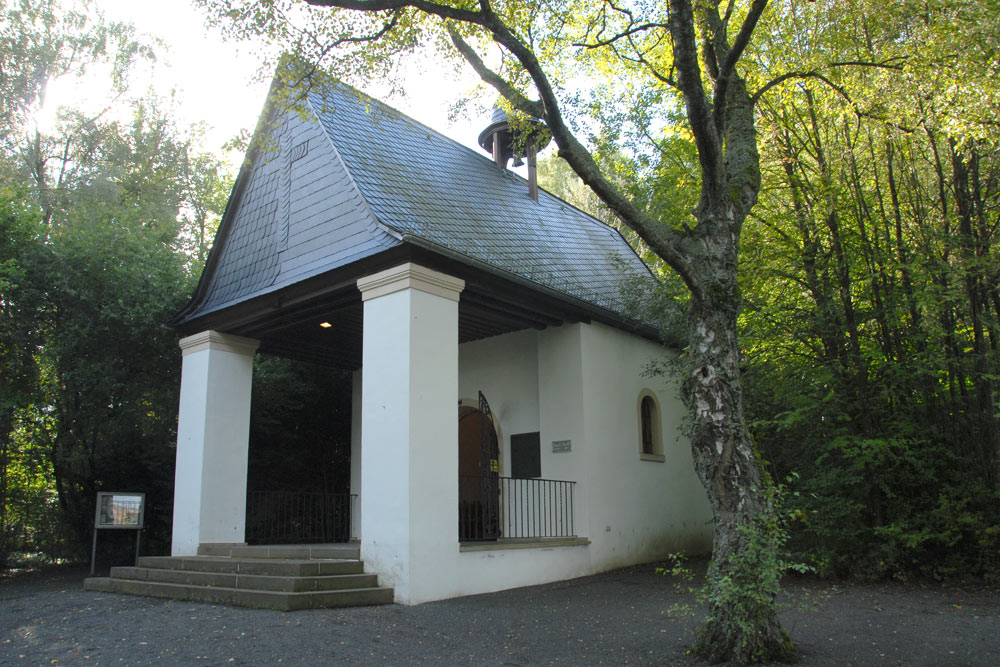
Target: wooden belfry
{"x":523,"y":141}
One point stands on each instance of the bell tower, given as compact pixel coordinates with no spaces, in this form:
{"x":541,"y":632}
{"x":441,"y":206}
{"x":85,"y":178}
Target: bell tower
{"x":520,"y":139}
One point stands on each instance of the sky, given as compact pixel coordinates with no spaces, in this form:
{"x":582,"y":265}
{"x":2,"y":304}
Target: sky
{"x":218,"y":82}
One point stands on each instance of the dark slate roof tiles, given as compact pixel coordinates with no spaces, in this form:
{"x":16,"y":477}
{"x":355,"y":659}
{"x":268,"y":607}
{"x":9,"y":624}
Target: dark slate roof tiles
{"x":352,"y":180}
{"x":324,"y":220}
{"x":421,"y":183}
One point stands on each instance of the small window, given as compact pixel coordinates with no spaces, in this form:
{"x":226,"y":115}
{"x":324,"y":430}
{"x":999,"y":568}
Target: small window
{"x":650,"y":445}
{"x":526,"y":455}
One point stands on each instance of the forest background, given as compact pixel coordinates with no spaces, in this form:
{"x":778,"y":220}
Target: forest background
{"x":869,"y":270}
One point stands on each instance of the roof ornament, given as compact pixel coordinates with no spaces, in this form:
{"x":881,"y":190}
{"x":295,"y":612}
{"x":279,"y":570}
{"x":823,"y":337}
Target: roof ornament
{"x":520,"y":139}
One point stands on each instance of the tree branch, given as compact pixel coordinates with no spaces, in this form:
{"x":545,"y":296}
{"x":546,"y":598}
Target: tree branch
{"x":840,"y":90}
{"x":631,"y":29}
{"x":663,"y":239}
{"x":643,"y":27}
{"x":709,"y":33}
{"x":324,"y":49}
{"x":743,"y":37}
{"x":891,"y":63}
{"x":732,"y":56}
{"x":699,"y":113}
{"x":511,"y":94}
{"x":444,"y":11}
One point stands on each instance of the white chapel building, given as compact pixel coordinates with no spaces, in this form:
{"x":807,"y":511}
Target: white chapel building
{"x":504,"y":430}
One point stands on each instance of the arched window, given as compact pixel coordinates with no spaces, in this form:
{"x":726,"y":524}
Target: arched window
{"x":650,"y":444}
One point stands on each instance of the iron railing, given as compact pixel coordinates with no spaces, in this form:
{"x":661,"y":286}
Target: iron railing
{"x":297,"y":517}
{"x":529,"y":508}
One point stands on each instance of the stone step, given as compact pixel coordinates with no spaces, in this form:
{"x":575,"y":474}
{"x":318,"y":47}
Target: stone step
{"x":295,"y":551}
{"x":290,"y":584}
{"x":258,"y":566}
{"x":280,"y":600}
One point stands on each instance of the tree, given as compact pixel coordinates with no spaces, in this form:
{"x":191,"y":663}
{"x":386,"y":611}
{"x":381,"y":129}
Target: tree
{"x":103,"y":222}
{"x":41,"y":41}
{"x":869,"y":319}
{"x":648,"y":58}
{"x":20,"y":318}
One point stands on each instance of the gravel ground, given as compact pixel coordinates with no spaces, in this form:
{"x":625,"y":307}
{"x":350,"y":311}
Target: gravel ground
{"x":612,"y":618}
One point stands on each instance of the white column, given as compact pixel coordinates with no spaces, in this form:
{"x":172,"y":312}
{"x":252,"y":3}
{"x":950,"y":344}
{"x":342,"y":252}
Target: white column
{"x":213,"y":427}
{"x":409,"y":429}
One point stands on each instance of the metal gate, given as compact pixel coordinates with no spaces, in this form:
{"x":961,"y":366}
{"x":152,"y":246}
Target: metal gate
{"x":490,"y":469}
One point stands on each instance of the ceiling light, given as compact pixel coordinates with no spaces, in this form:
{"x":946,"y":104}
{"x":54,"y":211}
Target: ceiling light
{"x":325,"y":325}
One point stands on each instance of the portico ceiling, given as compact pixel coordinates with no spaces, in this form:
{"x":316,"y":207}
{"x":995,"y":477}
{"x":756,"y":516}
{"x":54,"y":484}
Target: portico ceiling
{"x":288,"y":322}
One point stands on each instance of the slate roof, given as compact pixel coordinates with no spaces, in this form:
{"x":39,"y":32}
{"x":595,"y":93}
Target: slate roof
{"x":422,"y":183}
{"x":354,"y":177}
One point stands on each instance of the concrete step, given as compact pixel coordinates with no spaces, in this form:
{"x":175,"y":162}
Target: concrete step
{"x":280,"y":600}
{"x":290,"y":584}
{"x":284,"y":577}
{"x":295,"y":551}
{"x":256,"y":566}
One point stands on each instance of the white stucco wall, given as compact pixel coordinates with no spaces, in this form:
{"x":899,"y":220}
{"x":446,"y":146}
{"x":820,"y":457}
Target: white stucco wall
{"x":581,"y":383}
{"x":639,"y":510}
{"x":578,"y":384}
{"x":561,"y":406}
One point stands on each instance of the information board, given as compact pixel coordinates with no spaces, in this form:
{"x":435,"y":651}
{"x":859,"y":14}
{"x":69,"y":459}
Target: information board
{"x":120,"y":510}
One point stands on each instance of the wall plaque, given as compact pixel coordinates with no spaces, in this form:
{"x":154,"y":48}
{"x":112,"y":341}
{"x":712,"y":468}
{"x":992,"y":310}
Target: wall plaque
{"x":560,"y":446}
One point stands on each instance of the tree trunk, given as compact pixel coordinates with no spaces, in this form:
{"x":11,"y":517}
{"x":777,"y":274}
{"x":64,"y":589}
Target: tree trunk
{"x":6,"y":423}
{"x":973,"y":249}
{"x":744,"y":575}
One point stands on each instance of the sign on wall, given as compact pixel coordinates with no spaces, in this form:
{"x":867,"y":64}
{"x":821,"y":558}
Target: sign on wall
{"x":562,"y":446}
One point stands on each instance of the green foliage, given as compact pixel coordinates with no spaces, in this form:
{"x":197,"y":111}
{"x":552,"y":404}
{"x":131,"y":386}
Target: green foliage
{"x":104,"y":227}
{"x":34,"y":529}
{"x":24,"y":496}
{"x":877,"y":508}
{"x":41,"y":40}
{"x":20,"y":299}
{"x":741,"y":597}
{"x":300,"y":435}
{"x":871,"y":290}
{"x":115,"y":369}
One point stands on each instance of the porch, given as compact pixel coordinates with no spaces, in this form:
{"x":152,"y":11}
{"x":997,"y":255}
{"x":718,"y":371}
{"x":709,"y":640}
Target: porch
{"x":406,"y":507}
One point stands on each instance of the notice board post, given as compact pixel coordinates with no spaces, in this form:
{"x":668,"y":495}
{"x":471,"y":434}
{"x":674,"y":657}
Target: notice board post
{"x":117,"y":510}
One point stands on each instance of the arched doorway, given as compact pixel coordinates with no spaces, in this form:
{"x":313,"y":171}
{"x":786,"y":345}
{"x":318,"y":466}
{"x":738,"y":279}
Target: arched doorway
{"x":478,"y":472}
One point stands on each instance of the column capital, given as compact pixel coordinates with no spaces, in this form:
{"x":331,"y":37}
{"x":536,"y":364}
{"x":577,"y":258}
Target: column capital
{"x":410,"y":276}
{"x":216,"y":340}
